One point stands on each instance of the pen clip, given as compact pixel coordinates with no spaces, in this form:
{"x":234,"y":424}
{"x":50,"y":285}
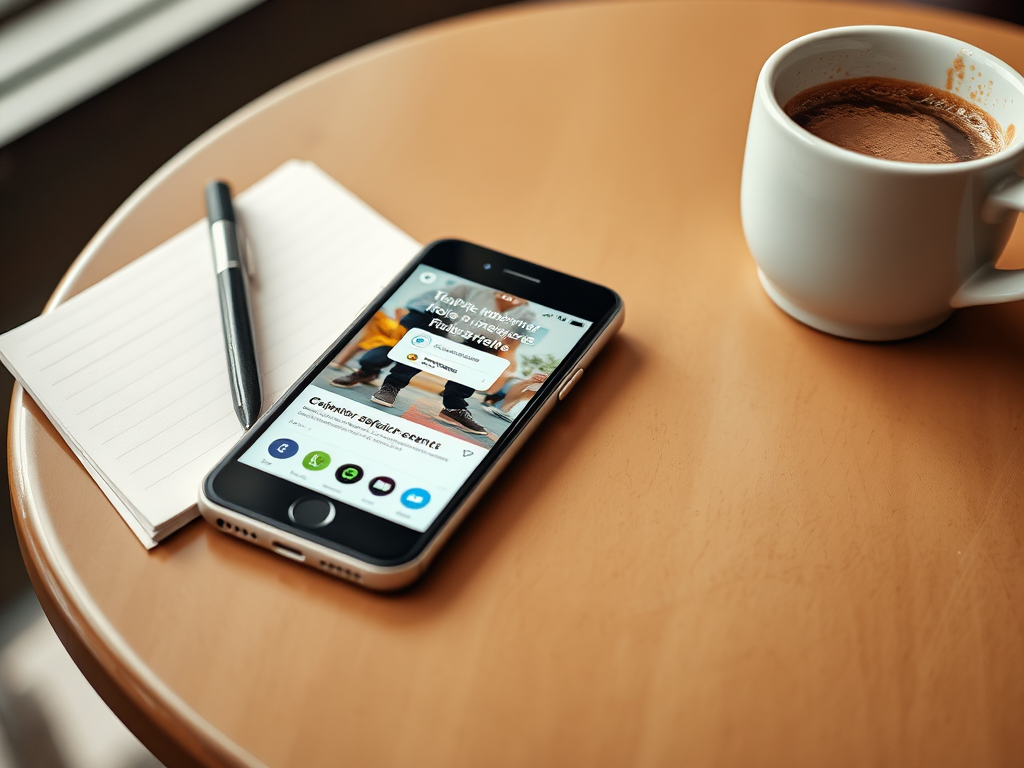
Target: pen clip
{"x":244,"y":248}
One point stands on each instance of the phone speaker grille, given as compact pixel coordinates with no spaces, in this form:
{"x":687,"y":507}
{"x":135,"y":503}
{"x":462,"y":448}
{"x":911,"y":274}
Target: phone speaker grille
{"x":342,"y":571}
{"x":244,"y":533}
{"x":521,"y":275}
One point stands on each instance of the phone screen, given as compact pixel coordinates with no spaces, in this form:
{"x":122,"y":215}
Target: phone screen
{"x":411,"y":406}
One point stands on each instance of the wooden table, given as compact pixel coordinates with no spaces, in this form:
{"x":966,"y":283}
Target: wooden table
{"x":739,"y":542}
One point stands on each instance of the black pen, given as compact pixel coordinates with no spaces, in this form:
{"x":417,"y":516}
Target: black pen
{"x":235,"y":307}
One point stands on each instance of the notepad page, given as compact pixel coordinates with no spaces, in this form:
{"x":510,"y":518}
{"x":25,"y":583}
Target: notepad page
{"x":133,"y":372}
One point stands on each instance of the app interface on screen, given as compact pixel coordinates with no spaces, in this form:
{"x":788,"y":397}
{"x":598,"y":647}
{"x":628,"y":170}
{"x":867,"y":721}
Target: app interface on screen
{"x":399,"y":420}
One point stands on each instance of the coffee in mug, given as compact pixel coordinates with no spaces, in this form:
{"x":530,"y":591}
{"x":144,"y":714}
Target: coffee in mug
{"x":897,"y":120}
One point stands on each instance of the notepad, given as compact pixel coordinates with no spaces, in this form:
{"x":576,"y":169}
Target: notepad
{"x":133,"y":372}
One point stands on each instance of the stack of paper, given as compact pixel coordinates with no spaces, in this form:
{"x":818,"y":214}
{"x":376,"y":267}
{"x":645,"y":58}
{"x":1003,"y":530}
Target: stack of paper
{"x":133,"y":373}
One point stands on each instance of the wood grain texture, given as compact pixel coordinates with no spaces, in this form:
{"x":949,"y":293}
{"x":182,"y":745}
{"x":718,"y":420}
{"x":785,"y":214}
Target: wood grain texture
{"x":740,"y":541}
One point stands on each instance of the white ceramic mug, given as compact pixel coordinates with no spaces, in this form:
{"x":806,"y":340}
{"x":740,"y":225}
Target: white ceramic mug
{"x":876,"y":249}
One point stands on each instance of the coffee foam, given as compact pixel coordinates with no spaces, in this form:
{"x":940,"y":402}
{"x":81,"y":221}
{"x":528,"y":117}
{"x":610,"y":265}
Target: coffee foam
{"x":897,"y":120}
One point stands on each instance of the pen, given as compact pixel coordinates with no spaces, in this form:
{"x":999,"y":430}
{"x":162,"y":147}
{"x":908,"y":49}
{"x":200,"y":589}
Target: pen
{"x":235,"y":308}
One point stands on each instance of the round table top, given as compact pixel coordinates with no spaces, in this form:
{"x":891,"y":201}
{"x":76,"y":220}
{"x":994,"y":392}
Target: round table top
{"x":739,"y":541}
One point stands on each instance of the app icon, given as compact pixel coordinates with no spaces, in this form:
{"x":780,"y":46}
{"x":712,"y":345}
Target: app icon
{"x":283,"y":448}
{"x":415,"y":498}
{"x":412,"y":356}
{"x":420,"y":340}
{"x":316,"y":460}
{"x":349,"y":473}
{"x":427,"y":277}
{"x":382,"y":486}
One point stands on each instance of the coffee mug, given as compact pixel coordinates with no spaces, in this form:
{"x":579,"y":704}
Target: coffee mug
{"x":869,"y":248}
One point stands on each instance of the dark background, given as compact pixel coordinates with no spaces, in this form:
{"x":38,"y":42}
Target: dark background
{"x":59,"y":183}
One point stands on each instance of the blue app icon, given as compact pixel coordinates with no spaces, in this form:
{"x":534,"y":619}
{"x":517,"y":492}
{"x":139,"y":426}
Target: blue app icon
{"x":415,"y":498}
{"x":283,"y":448}
{"x":420,"y":340}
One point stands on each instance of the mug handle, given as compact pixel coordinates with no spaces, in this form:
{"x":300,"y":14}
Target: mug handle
{"x":990,"y":285}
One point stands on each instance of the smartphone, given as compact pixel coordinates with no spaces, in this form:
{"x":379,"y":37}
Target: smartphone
{"x":370,"y":461}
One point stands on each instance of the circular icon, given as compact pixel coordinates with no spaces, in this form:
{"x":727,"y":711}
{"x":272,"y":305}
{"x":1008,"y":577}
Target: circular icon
{"x":412,"y":356}
{"x":349,"y":473}
{"x":427,"y":277}
{"x":316,"y":460}
{"x":283,"y":448}
{"x":415,"y":498}
{"x":311,"y":512}
{"x":382,"y":486}
{"x":420,"y":340}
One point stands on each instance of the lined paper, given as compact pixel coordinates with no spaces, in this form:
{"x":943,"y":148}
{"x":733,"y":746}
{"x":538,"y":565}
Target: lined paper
{"x":133,"y":373}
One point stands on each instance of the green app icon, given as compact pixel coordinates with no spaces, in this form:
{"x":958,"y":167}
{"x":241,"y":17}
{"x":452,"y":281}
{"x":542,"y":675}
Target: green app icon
{"x":316,"y":460}
{"x":349,"y":474}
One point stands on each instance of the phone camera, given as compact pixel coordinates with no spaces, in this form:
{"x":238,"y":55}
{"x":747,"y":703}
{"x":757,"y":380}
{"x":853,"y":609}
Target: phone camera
{"x":487,"y":266}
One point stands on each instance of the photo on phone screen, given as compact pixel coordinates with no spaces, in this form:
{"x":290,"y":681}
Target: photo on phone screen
{"x":410,"y":407}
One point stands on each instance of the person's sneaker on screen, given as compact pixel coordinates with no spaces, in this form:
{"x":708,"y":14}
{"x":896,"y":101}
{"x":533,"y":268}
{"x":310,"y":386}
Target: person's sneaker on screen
{"x":385,"y":396}
{"x":462,"y":419}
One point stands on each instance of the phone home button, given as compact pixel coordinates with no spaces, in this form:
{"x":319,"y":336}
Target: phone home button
{"x":311,"y":512}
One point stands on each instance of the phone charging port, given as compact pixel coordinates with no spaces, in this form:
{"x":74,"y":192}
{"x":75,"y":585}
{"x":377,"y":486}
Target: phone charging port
{"x":294,"y":554}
